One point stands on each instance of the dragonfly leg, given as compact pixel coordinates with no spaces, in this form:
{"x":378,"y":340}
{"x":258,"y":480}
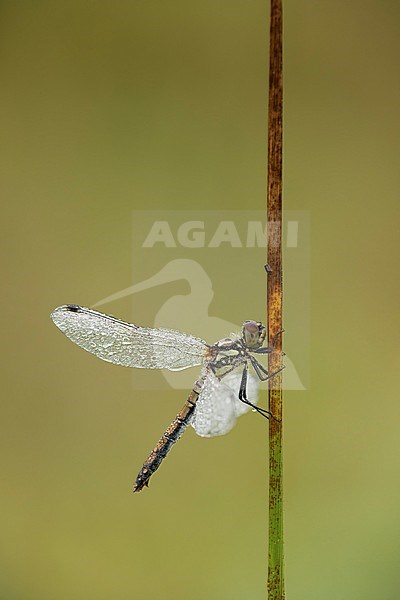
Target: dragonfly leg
{"x":262,"y":373}
{"x":243,"y":385}
{"x":266,"y":350}
{"x":275,"y":338}
{"x":243,"y":396}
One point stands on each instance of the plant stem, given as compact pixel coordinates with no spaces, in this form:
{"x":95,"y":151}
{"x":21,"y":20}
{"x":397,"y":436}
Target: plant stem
{"x":276,"y":589}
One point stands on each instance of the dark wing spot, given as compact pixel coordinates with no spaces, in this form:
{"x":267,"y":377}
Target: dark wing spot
{"x":73,"y":307}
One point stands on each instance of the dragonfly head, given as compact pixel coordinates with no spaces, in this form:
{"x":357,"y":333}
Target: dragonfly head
{"x":253,"y":334}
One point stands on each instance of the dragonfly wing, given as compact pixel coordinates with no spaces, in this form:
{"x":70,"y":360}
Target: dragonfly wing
{"x":218,"y":405}
{"x":128,"y":345}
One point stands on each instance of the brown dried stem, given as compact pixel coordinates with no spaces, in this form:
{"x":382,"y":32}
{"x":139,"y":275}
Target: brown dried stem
{"x":276,"y":589}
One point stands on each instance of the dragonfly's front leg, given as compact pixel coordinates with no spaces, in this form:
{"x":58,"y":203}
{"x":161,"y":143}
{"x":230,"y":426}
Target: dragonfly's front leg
{"x":263,"y":373}
{"x":271,"y":347}
{"x":266,"y":350}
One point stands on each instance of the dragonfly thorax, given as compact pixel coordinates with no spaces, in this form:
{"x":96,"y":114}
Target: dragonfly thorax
{"x":253,"y":334}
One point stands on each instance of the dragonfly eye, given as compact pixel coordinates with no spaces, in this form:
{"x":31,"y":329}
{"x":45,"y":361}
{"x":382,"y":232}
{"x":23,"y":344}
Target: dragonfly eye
{"x":253,"y":334}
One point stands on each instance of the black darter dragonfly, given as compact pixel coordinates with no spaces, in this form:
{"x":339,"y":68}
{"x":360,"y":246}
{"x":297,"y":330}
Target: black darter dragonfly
{"x":224,"y":390}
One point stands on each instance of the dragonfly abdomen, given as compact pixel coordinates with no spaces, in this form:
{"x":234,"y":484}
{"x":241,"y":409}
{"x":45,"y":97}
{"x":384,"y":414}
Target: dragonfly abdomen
{"x":167,"y":440}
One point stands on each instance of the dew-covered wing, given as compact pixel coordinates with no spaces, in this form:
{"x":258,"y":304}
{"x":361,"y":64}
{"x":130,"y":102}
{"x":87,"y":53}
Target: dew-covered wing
{"x":218,"y":405}
{"x":128,"y":345}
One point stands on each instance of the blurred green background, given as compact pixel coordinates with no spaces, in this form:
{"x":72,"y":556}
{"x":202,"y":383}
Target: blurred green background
{"x":109,"y":107}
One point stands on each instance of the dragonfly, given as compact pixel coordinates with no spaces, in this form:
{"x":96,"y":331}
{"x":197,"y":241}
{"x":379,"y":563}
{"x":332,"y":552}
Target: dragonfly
{"x":224,"y":390}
